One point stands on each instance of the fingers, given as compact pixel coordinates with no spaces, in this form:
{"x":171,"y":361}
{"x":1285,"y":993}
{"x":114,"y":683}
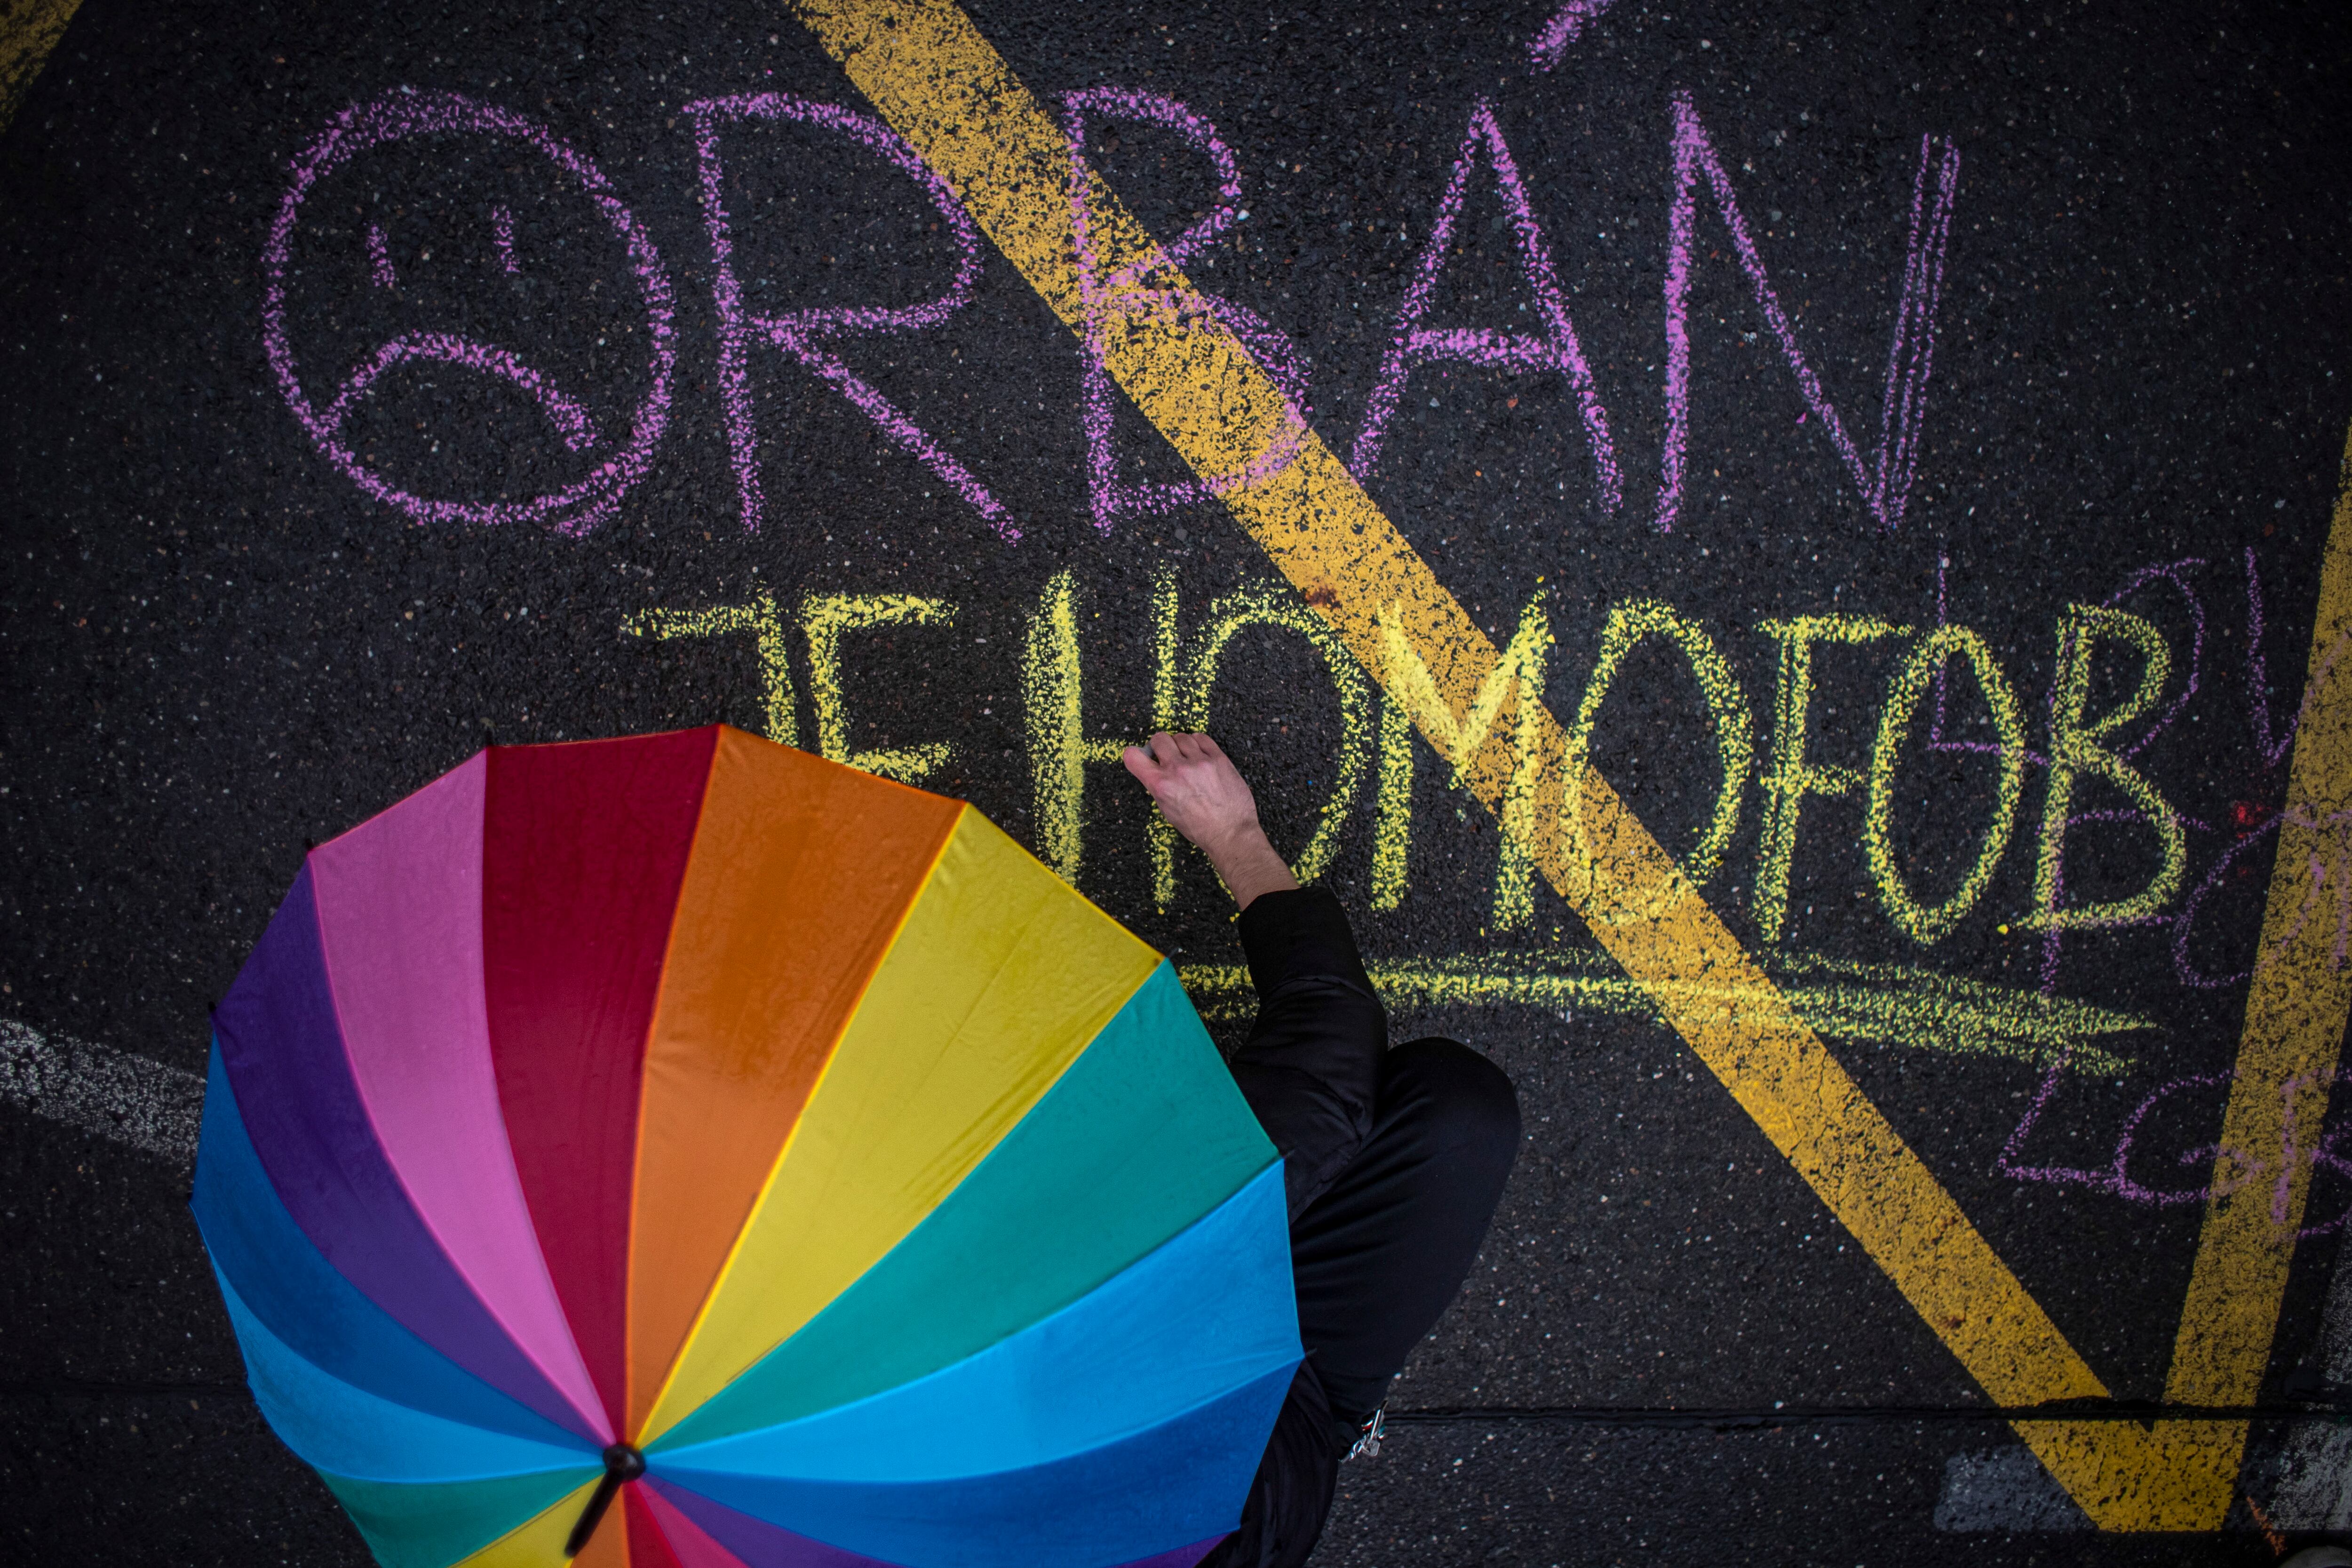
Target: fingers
{"x":1167,"y":747}
{"x":1179,"y":760}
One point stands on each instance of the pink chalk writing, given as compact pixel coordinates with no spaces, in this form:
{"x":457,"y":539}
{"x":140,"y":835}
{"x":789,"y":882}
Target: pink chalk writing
{"x":2174,"y":574}
{"x":1883,"y":480}
{"x":2120,"y":1178}
{"x":1110,"y":299}
{"x":2271,"y":744}
{"x":2322,"y":1154}
{"x":804,"y":334}
{"x":578,"y":506}
{"x":1546,"y":47}
{"x":2246,"y":1166}
{"x":502,"y":233}
{"x":2325,"y":879}
{"x":571,"y":420}
{"x":1555,"y":348}
{"x":2338,"y":827}
{"x":2185,"y":924}
{"x":1911,"y":350}
{"x":380,"y":258}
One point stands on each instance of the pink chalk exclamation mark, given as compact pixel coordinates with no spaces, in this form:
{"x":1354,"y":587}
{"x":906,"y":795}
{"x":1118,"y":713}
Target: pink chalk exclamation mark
{"x":502,"y":230}
{"x":380,"y":258}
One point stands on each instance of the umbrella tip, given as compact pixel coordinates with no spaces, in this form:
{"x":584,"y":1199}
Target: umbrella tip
{"x":621,"y":1463}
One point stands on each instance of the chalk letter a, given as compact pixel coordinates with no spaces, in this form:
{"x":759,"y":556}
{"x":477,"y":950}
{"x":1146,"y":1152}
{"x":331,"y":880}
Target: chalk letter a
{"x":1553,"y":348}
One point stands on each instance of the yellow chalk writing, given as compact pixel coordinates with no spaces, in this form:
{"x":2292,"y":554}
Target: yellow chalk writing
{"x":1519,"y":673}
{"x":1926,"y":923}
{"x":1515,"y":865}
{"x":825,"y":618}
{"x":1856,"y":1003}
{"x":1793,"y":776}
{"x":1059,"y":751}
{"x":1392,"y":807}
{"x":1167,"y":648}
{"x":1261,"y":605}
{"x":758,"y":617}
{"x":1727,"y":706}
{"x":2075,"y":751}
{"x":1459,"y":738}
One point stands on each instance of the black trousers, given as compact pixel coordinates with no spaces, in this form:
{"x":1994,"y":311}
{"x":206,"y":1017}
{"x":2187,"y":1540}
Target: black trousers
{"x":1394,"y":1159}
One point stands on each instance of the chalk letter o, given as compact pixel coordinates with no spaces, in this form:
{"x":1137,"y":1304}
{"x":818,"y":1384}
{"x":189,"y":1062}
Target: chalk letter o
{"x":1727,"y":707}
{"x":1922,"y":923}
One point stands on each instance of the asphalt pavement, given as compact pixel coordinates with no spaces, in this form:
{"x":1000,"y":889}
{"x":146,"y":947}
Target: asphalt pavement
{"x":383,"y":382}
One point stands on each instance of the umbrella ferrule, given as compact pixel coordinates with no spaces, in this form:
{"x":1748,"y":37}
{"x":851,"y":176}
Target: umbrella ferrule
{"x":623,"y":1463}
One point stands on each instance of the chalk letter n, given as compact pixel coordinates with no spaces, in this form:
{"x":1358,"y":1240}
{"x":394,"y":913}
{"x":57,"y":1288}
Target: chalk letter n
{"x":1884,"y":478}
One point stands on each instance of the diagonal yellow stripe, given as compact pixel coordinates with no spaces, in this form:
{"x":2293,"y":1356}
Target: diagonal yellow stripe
{"x":29,"y":29}
{"x":2181,"y":1475}
{"x":2295,"y":1011}
{"x":945,"y":90}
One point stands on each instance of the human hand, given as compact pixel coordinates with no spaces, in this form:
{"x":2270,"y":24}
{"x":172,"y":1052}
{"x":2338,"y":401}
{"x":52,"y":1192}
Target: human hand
{"x":1204,"y":797}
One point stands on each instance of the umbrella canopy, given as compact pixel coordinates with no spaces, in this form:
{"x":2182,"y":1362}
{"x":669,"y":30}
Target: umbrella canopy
{"x":778,"y":1155}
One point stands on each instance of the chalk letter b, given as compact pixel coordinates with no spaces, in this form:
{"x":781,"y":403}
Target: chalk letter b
{"x":2075,"y":750}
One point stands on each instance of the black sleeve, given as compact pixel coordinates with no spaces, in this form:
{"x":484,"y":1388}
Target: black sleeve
{"x":1290,"y":1497}
{"x":1311,"y":1064}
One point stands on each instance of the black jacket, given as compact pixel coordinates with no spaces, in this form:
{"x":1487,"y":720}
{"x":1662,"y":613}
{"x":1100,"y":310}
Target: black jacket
{"x":1309,"y":1070}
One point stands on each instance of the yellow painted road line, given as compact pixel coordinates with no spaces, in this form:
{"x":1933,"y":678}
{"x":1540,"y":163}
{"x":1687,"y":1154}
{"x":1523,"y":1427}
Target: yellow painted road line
{"x":942,"y":86}
{"x":948,"y":91}
{"x":29,"y":29}
{"x":2181,"y":1475}
{"x":2295,"y":1011}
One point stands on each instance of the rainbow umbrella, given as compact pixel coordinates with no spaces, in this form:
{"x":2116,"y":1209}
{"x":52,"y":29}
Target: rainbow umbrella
{"x":682,"y":1150}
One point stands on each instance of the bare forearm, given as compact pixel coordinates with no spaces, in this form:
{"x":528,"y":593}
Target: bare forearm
{"x":1246,"y":862}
